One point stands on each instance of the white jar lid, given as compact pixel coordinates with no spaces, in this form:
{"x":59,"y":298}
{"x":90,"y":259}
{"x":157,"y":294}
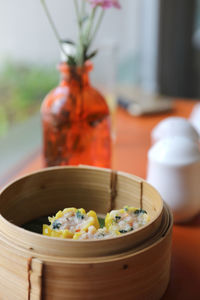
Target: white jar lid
{"x":174,"y":126}
{"x":177,"y":151}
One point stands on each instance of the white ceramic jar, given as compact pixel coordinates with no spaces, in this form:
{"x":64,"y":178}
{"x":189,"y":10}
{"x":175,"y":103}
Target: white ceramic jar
{"x":174,"y":169}
{"x":195,"y":117}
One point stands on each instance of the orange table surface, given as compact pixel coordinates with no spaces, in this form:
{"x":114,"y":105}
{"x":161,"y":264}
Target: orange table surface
{"x":130,"y":155}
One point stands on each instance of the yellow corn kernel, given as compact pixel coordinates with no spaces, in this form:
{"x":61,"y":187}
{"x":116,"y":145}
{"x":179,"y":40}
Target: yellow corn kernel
{"x":67,"y":234}
{"x":77,"y":235}
{"x":132,"y":209}
{"x":66,"y":210}
{"x":59,"y":215}
{"x":51,"y":219}
{"x":51,"y":232}
{"x":46,"y":230}
{"x":108,"y":221}
{"x":94,"y":220}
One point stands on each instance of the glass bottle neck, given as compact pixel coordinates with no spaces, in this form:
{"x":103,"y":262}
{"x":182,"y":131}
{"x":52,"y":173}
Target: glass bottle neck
{"x":76,"y":76}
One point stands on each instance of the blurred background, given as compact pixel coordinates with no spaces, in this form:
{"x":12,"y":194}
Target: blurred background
{"x":150,"y":45}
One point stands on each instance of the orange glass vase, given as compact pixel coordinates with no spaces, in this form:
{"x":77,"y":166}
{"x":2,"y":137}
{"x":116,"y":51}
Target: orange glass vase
{"x":76,"y":121}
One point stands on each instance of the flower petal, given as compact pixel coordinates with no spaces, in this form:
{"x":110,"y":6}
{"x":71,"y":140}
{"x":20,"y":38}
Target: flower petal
{"x":105,"y":4}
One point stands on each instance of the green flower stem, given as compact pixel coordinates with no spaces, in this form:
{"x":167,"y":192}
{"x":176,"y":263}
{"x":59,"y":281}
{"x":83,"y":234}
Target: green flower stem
{"x":53,"y":26}
{"x":80,"y":49}
{"x":97,"y":26}
{"x":83,"y":8}
{"x":77,"y":14}
{"x":84,"y":38}
{"x":80,"y":53}
{"x":90,"y":23}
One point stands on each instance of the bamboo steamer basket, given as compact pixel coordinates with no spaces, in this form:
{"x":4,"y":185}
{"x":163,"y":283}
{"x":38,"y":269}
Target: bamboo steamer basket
{"x":133,"y":266}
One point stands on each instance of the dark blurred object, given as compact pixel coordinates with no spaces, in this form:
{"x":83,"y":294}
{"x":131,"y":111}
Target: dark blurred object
{"x":178,"y":72}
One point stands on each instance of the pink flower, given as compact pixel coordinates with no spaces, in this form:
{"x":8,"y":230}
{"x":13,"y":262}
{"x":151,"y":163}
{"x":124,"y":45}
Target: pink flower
{"x":105,"y":3}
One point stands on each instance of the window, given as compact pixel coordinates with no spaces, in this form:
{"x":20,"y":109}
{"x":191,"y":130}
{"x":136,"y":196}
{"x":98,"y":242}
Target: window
{"x":127,"y":43}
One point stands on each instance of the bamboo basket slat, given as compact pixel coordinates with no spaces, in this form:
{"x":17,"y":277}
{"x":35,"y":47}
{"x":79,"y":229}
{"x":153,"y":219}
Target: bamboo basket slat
{"x":14,"y":266}
{"x":19,"y":286}
{"x":132,"y":266}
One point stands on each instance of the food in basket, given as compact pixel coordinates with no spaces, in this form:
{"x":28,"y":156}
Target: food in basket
{"x":79,"y":225}
{"x":126,"y":219}
{"x":95,"y":234}
{"x":69,"y":221}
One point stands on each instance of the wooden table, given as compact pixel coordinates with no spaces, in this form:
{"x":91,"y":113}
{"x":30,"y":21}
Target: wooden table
{"x":130,"y":155}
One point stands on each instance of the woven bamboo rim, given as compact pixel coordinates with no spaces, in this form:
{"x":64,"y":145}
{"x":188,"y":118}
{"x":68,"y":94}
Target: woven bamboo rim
{"x":108,"y":193}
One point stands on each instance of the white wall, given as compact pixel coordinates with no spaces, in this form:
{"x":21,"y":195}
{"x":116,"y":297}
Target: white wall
{"x":25,"y":32}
